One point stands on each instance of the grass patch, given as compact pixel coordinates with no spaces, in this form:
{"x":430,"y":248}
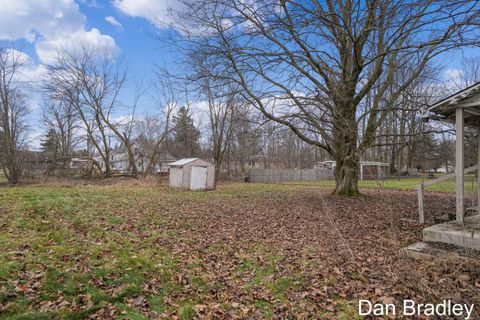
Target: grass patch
{"x":266,"y":308}
{"x":399,"y":184}
{"x":186,"y":311}
{"x":102,"y":246}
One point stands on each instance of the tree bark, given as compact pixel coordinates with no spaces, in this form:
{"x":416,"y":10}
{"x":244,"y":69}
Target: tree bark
{"x":346,"y":172}
{"x":345,"y":150}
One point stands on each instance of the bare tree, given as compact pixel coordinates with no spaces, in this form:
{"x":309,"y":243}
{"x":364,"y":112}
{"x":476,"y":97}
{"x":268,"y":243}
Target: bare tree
{"x":309,"y":64}
{"x":446,"y":152}
{"x":224,"y":103}
{"x":395,"y":136}
{"x":61,"y":119}
{"x":92,"y":82}
{"x":467,"y":75}
{"x":155,"y":130}
{"x":245,"y":142}
{"x":13,"y":111}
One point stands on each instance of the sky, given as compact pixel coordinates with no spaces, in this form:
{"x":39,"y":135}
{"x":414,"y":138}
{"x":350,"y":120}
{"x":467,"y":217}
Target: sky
{"x":124,"y":28}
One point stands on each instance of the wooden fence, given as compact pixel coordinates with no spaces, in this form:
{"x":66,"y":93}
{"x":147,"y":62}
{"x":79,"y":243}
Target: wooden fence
{"x":284,"y":175}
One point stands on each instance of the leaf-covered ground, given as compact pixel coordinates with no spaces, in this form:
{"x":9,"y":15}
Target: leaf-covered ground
{"x":243,"y":251}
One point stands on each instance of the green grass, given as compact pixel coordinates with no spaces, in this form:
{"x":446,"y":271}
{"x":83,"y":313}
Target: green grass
{"x":98,"y":246}
{"x":95,"y":246}
{"x":400,"y":184}
{"x":68,"y":229}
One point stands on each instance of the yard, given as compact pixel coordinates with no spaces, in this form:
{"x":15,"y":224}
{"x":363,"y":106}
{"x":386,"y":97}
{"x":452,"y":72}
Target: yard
{"x":405,"y":184}
{"x":253,"y":251}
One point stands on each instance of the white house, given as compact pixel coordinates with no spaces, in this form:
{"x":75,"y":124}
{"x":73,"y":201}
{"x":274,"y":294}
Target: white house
{"x":120,"y":162}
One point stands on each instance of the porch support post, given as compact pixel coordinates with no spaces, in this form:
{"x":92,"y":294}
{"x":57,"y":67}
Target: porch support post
{"x":459,"y":163}
{"x":421,"y":212}
{"x":478,"y":171}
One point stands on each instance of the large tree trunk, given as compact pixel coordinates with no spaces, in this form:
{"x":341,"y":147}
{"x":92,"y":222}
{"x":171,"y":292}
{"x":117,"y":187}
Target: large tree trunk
{"x":346,"y":173}
{"x":12,"y":166}
{"x":108,"y":172}
{"x":131,"y":158}
{"x":345,"y":151}
{"x":108,"y":166}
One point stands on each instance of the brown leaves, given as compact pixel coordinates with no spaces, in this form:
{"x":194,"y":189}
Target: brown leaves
{"x":107,"y":312}
{"x":200,"y":308}
{"x":280,"y":254}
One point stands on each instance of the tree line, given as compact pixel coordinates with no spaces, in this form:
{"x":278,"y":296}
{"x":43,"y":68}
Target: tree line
{"x":287,"y":83}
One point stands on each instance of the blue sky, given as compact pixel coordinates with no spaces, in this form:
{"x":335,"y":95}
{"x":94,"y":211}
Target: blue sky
{"x":124,"y":27}
{"x":140,"y":50}
{"x":130,"y":30}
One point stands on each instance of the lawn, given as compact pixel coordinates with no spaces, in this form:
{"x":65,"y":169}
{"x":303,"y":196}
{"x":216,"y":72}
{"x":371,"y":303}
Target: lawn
{"x":256,"y":251}
{"x":404,"y":184}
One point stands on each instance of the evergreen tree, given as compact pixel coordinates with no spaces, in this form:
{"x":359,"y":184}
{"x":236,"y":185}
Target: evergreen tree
{"x":50,"y":143}
{"x":185,"y":135}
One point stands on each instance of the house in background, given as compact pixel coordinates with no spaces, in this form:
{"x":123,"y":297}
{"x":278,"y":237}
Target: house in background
{"x":120,"y":163}
{"x":251,"y":162}
{"x":165,"y":159}
{"x":369,"y":170}
{"x":446,"y":169}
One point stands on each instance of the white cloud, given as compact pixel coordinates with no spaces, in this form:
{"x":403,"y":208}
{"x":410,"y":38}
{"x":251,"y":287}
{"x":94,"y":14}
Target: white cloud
{"x":155,"y":11}
{"x":454,"y":73}
{"x":161,"y":13}
{"x":49,"y":25}
{"x":199,"y":111}
{"x":91,"y":3}
{"x":28,"y":76}
{"x":30,"y":73}
{"x":32,"y":18}
{"x":114,"y":22}
{"x":454,"y":80}
{"x":47,"y":49}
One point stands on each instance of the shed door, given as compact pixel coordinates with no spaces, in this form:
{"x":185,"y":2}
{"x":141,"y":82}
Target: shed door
{"x":198,"y":178}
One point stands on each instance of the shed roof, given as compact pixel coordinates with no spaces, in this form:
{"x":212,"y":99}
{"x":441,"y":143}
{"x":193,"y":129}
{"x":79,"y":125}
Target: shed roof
{"x":193,"y":161}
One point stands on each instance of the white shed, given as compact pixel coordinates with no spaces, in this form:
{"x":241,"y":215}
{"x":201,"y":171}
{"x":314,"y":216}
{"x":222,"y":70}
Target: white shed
{"x":192,"y":174}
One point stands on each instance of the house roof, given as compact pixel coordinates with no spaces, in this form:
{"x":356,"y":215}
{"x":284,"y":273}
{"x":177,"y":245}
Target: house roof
{"x":185,"y":161}
{"x":166,"y":156}
{"x":468,"y":98}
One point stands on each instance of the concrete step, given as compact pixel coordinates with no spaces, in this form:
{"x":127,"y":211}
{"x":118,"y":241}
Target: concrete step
{"x":463,"y":236}
{"x":428,"y":250}
{"x":423,"y":250}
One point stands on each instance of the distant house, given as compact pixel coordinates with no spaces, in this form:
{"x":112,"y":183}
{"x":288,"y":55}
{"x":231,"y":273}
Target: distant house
{"x":79,"y":163}
{"x":446,"y":169}
{"x":119,"y":161}
{"x":369,"y":170}
{"x":164,"y":161}
{"x":253,"y":162}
